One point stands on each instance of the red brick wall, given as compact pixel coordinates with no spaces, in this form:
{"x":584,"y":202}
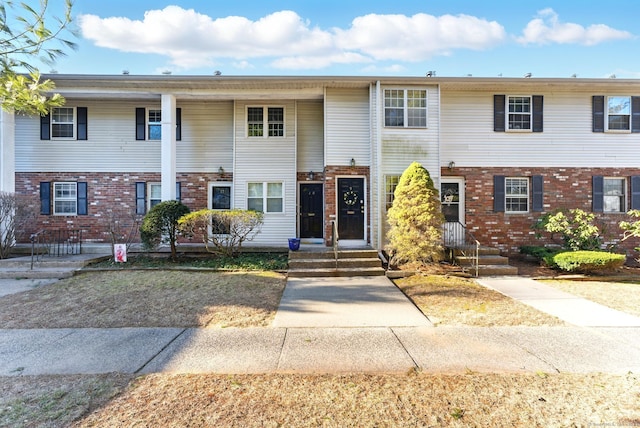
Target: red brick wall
{"x":564,"y":188}
{"x":107,"y":191}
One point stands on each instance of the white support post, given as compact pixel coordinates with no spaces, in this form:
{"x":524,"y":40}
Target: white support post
{"x":7,"y":152}
{"x":168,"y":147}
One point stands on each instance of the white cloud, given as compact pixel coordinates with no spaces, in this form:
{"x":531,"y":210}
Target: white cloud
{"x":418,"y":37}
{"x":547,"y":28}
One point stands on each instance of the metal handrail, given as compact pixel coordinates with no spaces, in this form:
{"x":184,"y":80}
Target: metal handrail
{"x":458,"y":239}
{"x":334,"y":241}
{"x":57,"y":243}
{"x":39,"y":245}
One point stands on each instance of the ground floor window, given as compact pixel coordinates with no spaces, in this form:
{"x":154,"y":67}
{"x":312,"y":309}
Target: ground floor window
{"x":390,"y":184}
{"x":516,"y":194}
{"x":614,"y":195}
{"x":220,"y":200}
{"x":65,"y":198}
{"x":266,"y":197}
{"x":155,"y":194}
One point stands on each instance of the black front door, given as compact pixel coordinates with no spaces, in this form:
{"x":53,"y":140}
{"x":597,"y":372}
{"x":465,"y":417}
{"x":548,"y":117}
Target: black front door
{"x":311,"y":209}
{"x":350,"y":208}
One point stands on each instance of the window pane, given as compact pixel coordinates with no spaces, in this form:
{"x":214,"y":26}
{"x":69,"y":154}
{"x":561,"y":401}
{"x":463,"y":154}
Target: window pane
{"x":618,"y":122}
{"x":62,"y":130}
{"x":517,"y":194}
{"x":255,"y":122}
{"x":274,"y":205}
{"x":62,"y":115}
{"x":274,"y":190}
{"x":394,"y":107}
{"x":255,"y":190}
{"x":619,"y":105}
{"x":221,"y":198}
{"x":65,"y":190}
{"x":155,"y":191}
{"x":391,"y":182}
{"x":393,"y":117}
{"x":65,"y":198}
{"x":65,"y":207}
{"x":254,"y":204}
{"x":417,"y":117}
{"x":155,"y":132}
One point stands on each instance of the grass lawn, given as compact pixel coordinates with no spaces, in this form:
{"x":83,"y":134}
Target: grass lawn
{"x":175,"y":298}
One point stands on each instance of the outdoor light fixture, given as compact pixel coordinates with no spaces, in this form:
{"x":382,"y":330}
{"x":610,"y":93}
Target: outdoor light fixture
{"x":221,"y":170}
{"x":311,"y":175}
{"x":353,"y":162}
{"x":452,"y":165}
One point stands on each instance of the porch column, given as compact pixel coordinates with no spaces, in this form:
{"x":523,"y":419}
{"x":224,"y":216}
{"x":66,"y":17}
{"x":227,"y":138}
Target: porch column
{"x":7,"y":152}
{"x":168,"y":148}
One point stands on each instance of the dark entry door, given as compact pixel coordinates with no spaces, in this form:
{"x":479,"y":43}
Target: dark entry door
{"x":311,"y":210}
{"x":351,"y":208}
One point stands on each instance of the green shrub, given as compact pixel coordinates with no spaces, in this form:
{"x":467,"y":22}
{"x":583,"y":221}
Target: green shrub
{"x":575,"y":227}
{"x":588,"y":261}
{"x":542,"y":254}
{"x":160,"y":225}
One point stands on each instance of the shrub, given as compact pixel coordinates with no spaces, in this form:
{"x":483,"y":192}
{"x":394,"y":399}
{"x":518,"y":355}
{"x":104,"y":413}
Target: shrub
{"x":576,"y":228}
{"x":588,"y":261}
{"x":16,"y":212}
{"x":223,"y":232}
{"x":160,"y":225}
{"x":415,"y":219}
{"x":542,"y":254}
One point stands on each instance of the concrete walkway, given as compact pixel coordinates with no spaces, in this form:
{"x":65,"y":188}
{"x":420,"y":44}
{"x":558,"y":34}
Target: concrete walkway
{"x":343,"y":325}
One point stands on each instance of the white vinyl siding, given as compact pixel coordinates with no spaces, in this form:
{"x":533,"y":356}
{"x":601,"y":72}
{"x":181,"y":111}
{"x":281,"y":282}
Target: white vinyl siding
{"x":348,"y":133}
{"x":207,"y":141}
{"x":310,"y":136}
{"x":468,"y":138}
{"x":272,"y":160}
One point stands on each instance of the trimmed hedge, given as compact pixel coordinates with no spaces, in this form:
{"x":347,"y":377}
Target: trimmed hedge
{"x":588,"y":261}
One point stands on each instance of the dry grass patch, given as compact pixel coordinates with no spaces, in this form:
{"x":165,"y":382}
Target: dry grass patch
{"x":463,"y":400}
{"x":624,"y":297}
{"x":450,"y":300}
{"x":148,"y":299}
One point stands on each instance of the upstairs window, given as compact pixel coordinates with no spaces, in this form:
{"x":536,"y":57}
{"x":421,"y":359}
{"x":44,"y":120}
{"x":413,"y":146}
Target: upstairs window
{"x":64,"y":123}
{"x":517,"y":113}
{"x":618,"y":113}
{"x":405,"y":108}
{"x":154,"y":124}
{"x":274,"y":122}
{"x":149,"y":124}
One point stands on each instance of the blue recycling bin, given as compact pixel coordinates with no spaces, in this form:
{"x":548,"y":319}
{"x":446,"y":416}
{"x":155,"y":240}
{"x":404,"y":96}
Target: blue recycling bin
{"x":294,"y":244}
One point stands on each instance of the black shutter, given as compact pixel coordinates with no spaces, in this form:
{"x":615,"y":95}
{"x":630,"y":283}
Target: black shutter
{"x":498,"y":193}
{"x":81,"y":113}
{"x":141,"y":197}
{"x":498,"y":113}
{"x":83,"y":206}
{"x":178,"y":124}
{"x":178,"y":191}
{"x":537,"y":192}
{"x":635,"y":114}
{"x":598,"y":113}
{"x":141,"y":122}
{"x":537,"y":113}
{"x":598,"y":194}
{"x":45,"y":129}
{"x":45,"y":197}
{"x":635,"y":192}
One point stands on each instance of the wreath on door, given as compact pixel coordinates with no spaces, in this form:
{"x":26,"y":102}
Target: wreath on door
{"x":350,"y":198}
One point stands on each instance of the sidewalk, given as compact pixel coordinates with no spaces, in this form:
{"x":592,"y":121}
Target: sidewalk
{"x":344,"y":325}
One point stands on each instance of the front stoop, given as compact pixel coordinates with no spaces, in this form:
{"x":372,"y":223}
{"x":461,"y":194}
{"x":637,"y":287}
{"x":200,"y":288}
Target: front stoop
{"x":45,"y":268}
{"x":490,"y":263}
{"x":323,"y":263}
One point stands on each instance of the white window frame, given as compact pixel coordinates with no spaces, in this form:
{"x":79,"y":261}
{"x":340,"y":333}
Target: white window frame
{"x":268,"y":129}
{"x":154,"y":123}
{"x":390,"y":183}
{"x":406,"y":108}
{"x":55,"y":123}
{"x":65,"y":198}
{"x":608,"y":113}
{"x":509,"y":113}
{"x":150,"y":199}
{"x":264,"y":196}
{"x":519,"y":196}
{"x":612,"y":198}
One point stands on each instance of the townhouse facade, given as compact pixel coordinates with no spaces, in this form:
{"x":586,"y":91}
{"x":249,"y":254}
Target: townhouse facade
{"x":317,"y":152}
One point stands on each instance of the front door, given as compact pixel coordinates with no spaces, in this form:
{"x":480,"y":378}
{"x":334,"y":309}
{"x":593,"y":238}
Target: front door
{"x":350,"y":208}
{"x":311,"y":210}
{"x":452,"y":201}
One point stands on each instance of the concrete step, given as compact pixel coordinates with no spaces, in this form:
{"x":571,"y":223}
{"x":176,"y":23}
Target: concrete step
{"x":329,"y":254}
{"x":36,"y":273}
{"x":496,"y":270}
{"x":331,"y":263}
{"x":367,"y":271}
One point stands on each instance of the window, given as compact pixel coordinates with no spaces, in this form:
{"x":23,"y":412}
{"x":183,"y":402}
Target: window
{"x":614,"y":195}
{"x":518,"y":113}
{"x":256,"y":124}
{"x":519,"y":116}
{"x":65,"y":198}
{"x":220,"y":199}
{"x":390,"y":184}
{"x":405,"y":108}
{"x":155,"y":194}
{"x":266,"y":197}
{"x":516,"y":194}
{"x":62,"y":122}
{"x":618,"y":113}
{"x":154,"y":124}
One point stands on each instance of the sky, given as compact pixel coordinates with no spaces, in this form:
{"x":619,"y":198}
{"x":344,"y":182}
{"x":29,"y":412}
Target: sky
{"x":452,"y":38}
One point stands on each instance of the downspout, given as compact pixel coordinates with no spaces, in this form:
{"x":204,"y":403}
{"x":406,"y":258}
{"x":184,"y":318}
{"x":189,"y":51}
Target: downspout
{"x":378,"y":148}
{"x":439,"y":141}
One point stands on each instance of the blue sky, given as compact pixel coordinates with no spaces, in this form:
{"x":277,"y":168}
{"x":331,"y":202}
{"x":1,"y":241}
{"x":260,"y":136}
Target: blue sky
{"x":405,"y":38}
